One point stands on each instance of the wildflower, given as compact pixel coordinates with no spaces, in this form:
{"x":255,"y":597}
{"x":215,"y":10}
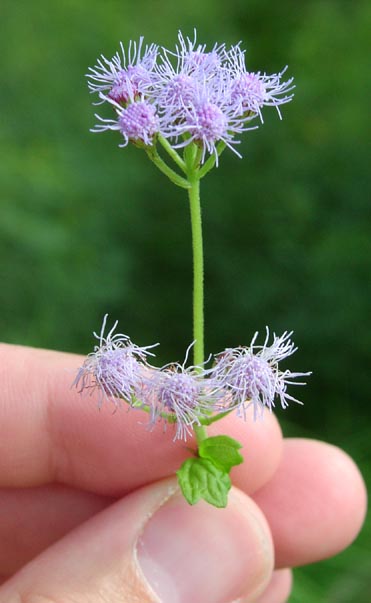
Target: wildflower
{"x":116,"y":368}
{"x":177,"y":394}
{"x":138,"y":122}
{"x":250,"y":376}
{"x":182,"y":395}
{"x":251,"y":91}
{"x":211,"y":122}
{"x":254,"y":90}
{"x":120,"y":77}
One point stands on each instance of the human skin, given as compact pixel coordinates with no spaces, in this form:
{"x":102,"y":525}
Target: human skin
{"x":71,"y":475}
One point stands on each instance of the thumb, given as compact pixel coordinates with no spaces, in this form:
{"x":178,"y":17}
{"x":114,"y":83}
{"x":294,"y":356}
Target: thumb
{"x":153,"y":547}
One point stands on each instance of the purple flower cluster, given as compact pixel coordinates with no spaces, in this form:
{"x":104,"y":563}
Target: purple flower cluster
{"x":188,"y":396}
{"x":189,"y":94}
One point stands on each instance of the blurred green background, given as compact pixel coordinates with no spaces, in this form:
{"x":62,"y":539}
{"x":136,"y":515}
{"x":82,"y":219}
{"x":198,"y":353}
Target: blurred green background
{"x":87,"y":228}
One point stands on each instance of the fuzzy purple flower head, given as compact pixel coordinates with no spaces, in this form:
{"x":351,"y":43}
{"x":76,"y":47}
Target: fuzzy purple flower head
{"x":177,"y":395}
{"x":251,"y":376}
{"x":125,"y":76}
{"x":116,"y":369}
{"x":137,"y":122}
{"x":184,"y":395}
{"x":251,"y":91}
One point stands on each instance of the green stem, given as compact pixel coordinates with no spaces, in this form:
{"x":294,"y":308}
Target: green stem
{"x":165,"y":169}
{"x":198,"y":280}
{"x":190,"y":165}
{"x":215,"y":418}
{"x":200,"y":433}
{"x":172,"y":153}
{"x":209,"y":164}
{"x":198,"y":269}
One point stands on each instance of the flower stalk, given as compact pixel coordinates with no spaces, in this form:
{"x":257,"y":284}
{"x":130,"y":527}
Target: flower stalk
{"x":199,"y":102}
{"x":198,"y":269}
{"x":165,"y":169}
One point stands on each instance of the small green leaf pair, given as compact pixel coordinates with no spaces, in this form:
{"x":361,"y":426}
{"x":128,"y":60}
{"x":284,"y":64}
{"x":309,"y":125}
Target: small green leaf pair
{"x":207,"y":475}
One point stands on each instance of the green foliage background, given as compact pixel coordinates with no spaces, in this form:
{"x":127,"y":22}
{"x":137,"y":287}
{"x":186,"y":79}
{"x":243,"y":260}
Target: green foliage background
{"x":87,"y":228}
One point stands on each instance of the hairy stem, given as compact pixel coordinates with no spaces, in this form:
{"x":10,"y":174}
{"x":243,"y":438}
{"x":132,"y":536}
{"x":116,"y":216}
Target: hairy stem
{"x":198,"y":280}
{"x":198,"y":269}
{"x":190,"y":165}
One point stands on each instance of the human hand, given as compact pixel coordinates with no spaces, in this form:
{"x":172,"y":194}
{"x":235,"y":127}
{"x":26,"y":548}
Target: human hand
{"x":88,"y":512}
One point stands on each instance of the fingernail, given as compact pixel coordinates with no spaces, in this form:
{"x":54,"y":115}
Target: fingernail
{"x":200,"y":554}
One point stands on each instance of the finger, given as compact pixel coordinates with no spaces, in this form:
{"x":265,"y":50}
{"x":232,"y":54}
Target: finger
{"x":315,"y":504}
{"x":49,"y":433}
{"x":291,"y":531}
{"x":278,"y":589}
{"x":151,"y":547}
{"x":31,"y":519}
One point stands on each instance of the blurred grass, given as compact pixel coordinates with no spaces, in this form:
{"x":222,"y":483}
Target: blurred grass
{"x":87,"y":228}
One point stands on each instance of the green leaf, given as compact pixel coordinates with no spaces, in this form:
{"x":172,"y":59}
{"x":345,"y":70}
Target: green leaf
{"x":222,"y":451}
{"x":200,"y":478}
